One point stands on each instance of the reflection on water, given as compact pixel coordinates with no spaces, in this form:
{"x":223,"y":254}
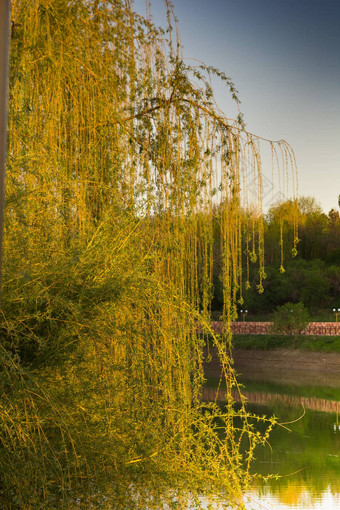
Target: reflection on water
{"x":298,"y":497}
{"x":267,"y":399}
{"x":307,"y":456}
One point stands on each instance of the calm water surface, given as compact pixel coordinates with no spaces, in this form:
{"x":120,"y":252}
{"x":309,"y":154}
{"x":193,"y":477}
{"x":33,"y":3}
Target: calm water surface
{"x":307,"y":456}
{"x":305,"y":452}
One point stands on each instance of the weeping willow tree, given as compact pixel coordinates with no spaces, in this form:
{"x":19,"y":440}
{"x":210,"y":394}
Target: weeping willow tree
{"x":118,"y":158}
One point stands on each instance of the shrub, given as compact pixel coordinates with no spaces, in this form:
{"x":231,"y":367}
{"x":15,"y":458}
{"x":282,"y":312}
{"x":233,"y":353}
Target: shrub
{"x":290,"y":319}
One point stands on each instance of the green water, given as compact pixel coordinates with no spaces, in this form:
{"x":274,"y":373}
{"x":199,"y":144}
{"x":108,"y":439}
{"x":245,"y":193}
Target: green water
{"x":307,"y":456}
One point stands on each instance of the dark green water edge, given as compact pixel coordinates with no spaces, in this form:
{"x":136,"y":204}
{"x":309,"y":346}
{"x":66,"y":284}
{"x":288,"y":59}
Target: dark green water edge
{"x":305,"y":454}
{"x":307,"y":390}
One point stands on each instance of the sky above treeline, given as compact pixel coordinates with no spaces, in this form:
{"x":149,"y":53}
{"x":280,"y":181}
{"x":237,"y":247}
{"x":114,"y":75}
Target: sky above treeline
{"x":284,"y":58}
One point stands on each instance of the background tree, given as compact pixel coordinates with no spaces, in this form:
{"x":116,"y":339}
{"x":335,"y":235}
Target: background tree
{"x":290,"y":318}
{"x":309,"y":274}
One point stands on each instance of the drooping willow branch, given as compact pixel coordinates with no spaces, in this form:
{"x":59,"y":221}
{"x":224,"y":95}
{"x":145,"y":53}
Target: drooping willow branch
{"x":129,"y":201}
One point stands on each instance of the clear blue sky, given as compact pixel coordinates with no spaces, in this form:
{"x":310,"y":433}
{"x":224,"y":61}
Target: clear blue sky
{"x":284,"y":58}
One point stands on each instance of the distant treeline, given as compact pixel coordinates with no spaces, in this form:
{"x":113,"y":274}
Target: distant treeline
{"x":311,"y":276}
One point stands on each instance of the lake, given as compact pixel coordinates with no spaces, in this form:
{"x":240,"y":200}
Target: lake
{"x":307,"y":456}
{"x":305,"y":450}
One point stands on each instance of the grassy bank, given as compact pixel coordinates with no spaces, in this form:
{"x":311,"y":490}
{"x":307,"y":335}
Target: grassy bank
{"x":308,"y":343}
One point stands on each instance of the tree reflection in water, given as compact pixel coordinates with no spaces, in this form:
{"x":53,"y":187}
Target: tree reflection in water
{"x":304,"y":453}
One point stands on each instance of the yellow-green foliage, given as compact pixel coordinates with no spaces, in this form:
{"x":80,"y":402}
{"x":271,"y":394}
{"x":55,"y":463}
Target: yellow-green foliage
{"x":117,"y":158}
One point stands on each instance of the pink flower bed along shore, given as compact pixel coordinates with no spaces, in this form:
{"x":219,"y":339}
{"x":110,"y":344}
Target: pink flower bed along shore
{"x":258,"y":328}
